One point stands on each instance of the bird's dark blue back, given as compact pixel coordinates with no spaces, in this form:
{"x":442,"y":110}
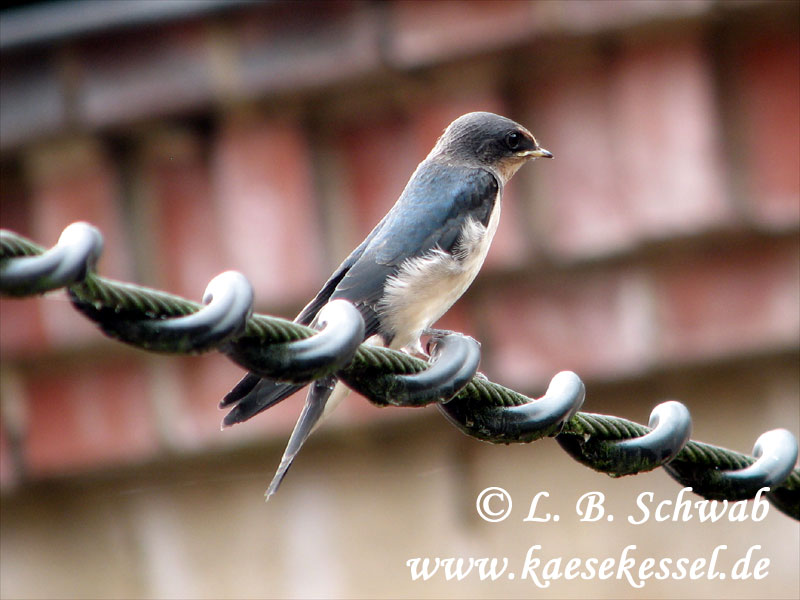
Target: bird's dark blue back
{"x":418,"y":222}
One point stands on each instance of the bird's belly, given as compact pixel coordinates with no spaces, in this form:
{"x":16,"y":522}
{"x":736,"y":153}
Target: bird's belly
{"x":426,"y":287}
{"x":429,"y":300}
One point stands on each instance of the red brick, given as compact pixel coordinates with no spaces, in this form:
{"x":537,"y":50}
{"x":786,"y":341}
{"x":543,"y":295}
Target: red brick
{"x":768,"y":95}
{"x":188,"y":240}
{"x":666,"y":137}
{"x":729,"y":301}
{"x":190,"y":418}
{"x":21,"y":327}
{"x":75,"y":181}
{"x":598,"y":324}
{"x":295,"y":46}
{"x":426,"y":32}
{"x":153,"y":71}
{"x":87,"y":416}
{"x":636,"y":146}
{"x":606,"y":324}
{"x":378,"y":158}
{"x":266,"y":207}
{"x":577,"y":206}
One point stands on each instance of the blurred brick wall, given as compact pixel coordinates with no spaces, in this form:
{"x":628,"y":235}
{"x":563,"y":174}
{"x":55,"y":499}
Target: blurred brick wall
{"x":662,"y":243}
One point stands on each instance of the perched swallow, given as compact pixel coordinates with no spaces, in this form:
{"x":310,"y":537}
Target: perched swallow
{"x":415,"y":264}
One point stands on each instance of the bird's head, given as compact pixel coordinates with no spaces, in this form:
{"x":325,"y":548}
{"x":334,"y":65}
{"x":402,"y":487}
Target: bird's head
{"x":488,"y":140}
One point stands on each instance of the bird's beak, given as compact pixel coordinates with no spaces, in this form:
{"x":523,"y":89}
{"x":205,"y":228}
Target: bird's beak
{"x":539,"y":153}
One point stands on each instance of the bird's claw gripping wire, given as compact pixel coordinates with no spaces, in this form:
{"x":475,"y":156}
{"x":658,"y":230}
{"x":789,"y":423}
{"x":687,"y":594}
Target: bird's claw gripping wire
{"x":274,"y":347}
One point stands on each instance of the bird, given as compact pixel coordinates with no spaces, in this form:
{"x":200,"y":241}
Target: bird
{"x":413,"y":266}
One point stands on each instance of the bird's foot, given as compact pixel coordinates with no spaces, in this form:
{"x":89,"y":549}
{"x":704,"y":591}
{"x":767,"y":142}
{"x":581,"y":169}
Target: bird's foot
{"x":416,"y":350}
{"x":435,"y":335}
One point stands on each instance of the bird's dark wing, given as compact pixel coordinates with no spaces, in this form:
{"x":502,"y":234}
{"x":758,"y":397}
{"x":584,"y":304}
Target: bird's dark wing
{"x":444,"y":198}
{"x":253,"y":395}
{"x":307,"y":315}
{"x":430,"y":214}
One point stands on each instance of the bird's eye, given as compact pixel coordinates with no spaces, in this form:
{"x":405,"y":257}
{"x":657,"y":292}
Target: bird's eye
{"x":513,"y":140}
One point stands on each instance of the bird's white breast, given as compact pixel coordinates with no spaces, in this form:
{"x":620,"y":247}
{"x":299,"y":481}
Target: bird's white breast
{"x":426,"y":287}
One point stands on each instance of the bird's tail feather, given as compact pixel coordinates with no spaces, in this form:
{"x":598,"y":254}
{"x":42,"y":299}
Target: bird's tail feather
{"x":253,"y":395}
{"x":317,"y":398}
{"x":240,"y":390}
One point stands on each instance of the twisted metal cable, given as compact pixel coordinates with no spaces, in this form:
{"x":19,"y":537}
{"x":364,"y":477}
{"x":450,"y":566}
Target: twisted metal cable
{"x":277,"y":348}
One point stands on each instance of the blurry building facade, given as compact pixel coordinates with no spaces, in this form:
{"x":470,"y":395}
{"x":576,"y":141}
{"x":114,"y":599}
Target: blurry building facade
{"x":657,"y":256}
